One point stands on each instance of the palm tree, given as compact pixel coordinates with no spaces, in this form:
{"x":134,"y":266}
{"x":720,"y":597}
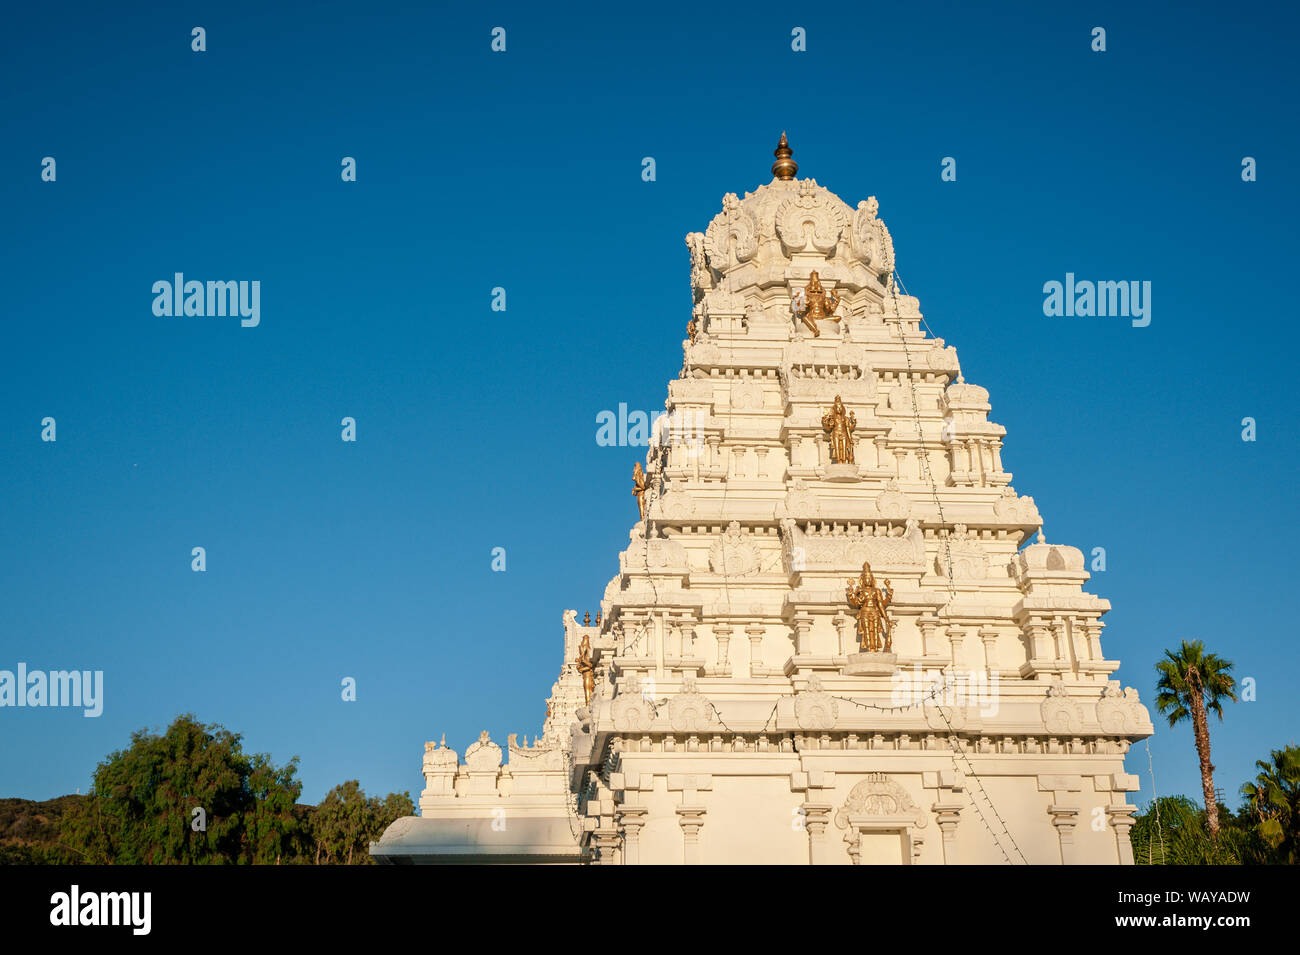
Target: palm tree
{"x":1274,"y":796}
{"x":1193,"y":682}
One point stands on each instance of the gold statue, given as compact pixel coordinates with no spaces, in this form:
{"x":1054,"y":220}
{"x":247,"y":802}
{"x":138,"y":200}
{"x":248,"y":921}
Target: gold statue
{"x":587,"y":669}
{"x":840,"y":427}
{"x":817,"y":305}
{"x":692,"y":329}
{"x":871,"y":602}
{"x":639,"y":487}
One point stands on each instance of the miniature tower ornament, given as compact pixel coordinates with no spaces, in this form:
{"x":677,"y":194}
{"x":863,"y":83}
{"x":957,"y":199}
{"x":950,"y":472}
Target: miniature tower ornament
{"x":871,"y":602}
{"x":784,"y":167}
{"x":840,"y":427}
{"x":814,"y":305}
{"x":639,"y":487}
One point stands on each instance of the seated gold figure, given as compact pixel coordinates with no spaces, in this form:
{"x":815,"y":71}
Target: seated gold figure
{"x":818,"y":306}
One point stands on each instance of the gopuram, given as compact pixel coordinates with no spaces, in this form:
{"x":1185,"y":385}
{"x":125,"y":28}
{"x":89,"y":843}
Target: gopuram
{"x":837,"y":634}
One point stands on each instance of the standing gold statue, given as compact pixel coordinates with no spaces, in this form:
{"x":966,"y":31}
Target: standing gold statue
{"x":871,"y":602}
{"x":693,"y":329}
{"x":587,"y":669}
{"x":840,"y":427}
{"x":817,"y":305}
{"x":639,"y":487}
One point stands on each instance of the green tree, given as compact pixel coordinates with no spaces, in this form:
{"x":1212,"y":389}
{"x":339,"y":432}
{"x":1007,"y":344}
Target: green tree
{"x":1193,"y":683}
{"x":141,"y":807}
{"x":1273,"y":799}
{"x":1172,"y":830}
{"x":347,"y":821}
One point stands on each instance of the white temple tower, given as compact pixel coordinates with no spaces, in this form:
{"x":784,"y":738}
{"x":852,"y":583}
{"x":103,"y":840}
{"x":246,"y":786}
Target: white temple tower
{"x":734,"y":718}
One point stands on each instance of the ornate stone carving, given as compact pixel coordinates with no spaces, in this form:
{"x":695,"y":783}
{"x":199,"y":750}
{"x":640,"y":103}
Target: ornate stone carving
{"x":656,"y":553}
{"x":969,"y":559}
{"x":815,"y":709}
{"x":733,"y":228}
{"x":834,"y":551}
{"x":438,"y":757}
{"x":483,"y":755}
{"x":800,"y":501}
{"x":943,"y":717}
{"x":677,"y":505}
{"x":701,"y":276}
{"x":871,"y":241}
{"x":810,"y":219}
{"x":878,"y":795}
{"x":733,"y":555}
{"x":892,"y":502}
{"x":1013,"y":509}
{"x":1120,"y":713}
{"x":539,"y":756}
{"x":690,"y":710}
{"x":631,"y":710}
{"x":1061,"y":714}
{"x":746,"y":394}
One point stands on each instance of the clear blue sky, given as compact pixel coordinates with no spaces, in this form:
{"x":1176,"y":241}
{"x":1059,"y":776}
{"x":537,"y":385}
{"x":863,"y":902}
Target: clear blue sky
{"x":476,"y":429}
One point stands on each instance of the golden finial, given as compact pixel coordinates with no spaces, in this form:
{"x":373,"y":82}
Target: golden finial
{"x":598,"y":618}
{"x":586,"y":619}
{"x":784,"y":167}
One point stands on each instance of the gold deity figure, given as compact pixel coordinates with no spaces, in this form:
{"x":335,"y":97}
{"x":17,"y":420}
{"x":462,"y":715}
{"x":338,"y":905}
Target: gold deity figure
{"x":840,"y":427}
{"x":587,"y":669}
{"x":871,"y":602}
{"x":639,"y":487}
{"x":817,"y":305}
{"x":693,"y":329}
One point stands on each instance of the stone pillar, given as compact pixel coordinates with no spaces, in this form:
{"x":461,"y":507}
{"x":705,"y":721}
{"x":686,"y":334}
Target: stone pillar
{"x":715,"y":456}
{"x":955,"y":637}
{"x":1064,"y":810}
{"x":816,"y":818}
{"x":1121,"y":820}
{"x":691,"y":819}
{"x":1065,"y":818}
{"x":948,"y":815}
{"x":1061,"y":652}
{"x":723,"y":635}
{"x":882,"y":451}
{"x":990,"y":639}
{"x":928,"y":626}
{"x":841,"y":624}
{"x":803,"y":634}
{"x":632,"y":819}
{"x":761,"y":451}
{"x":756,"y":667}
{"x":997,"y":457}
{"x":1093,"y":629}
{"x":606,"y":842}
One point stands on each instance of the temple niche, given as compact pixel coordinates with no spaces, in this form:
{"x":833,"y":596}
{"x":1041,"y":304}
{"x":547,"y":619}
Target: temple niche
{"x":826,"y":642}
